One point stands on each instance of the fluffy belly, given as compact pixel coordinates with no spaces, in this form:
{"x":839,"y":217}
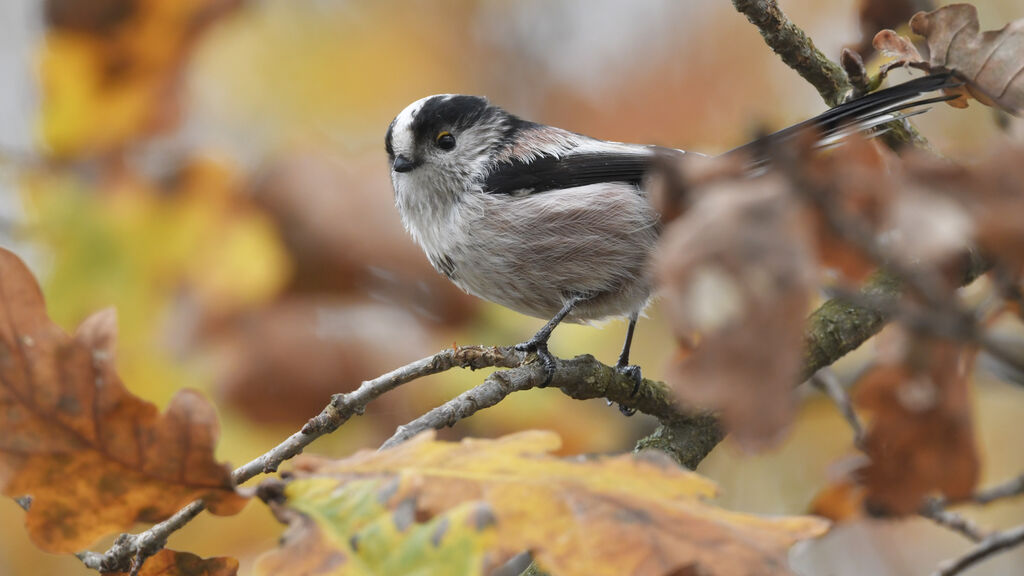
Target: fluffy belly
{"x":532,"y":253}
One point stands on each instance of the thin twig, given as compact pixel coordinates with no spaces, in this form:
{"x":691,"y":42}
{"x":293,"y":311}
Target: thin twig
{"x":1008,"y":489}
{"x":581,"y":378}
{"x":131,"y":549}
{"x":826,"y":381}
{"x":494,"y":389}
{"x":578,"y":377}
{"x":934,"y":510}
{"x":993,"y":544}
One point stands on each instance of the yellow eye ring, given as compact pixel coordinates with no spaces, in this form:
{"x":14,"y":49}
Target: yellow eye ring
{"x":445,"y":140}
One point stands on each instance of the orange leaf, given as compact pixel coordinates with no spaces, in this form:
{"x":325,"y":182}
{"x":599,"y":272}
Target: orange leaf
{"x":921,"y":439}
{"x":94,"y":458}
{"x":171,"y":563}
{"x":593,"y":517}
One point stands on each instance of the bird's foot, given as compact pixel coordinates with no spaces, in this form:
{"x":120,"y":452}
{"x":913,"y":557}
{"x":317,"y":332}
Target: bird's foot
{"x":633,"y":372}
{"x":547,"y":361}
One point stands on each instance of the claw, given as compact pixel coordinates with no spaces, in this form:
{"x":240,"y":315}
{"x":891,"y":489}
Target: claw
{"x":634,"y":373}
{"x":545,"y":357}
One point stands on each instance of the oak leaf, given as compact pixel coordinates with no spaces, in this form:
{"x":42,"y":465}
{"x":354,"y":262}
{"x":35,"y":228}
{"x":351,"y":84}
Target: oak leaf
{"x":94,"y":458}
{"x":738,"y":270}
{"x":600,"y":516}
{"x":990,"y":62}
{"x":989,"y":194}
{"x":875,"y":15}
{"x":172,"y":563}
{"x":352,"y":531}
{"x":921,"y":439}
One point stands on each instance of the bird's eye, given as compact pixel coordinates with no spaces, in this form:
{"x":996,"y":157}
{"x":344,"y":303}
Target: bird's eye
{"x":445,"y":141}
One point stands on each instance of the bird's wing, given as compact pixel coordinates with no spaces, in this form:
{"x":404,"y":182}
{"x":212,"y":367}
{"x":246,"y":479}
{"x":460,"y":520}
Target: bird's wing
{"x":556,"y":159}
{"x":567,"y":171}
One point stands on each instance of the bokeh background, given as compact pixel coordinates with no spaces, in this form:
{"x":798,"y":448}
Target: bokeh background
{"x":214,"y":169}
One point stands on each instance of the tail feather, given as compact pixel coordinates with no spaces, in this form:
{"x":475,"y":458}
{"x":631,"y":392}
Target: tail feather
{"x":862,"y":114}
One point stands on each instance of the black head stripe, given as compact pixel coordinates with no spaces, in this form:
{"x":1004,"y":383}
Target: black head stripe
{"x":387,"y":141}
{"x":551,"y":173}
{"x":450,"y":112}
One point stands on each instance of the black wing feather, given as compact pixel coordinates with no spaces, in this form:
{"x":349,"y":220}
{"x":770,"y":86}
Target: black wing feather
{"x":567,"y":171}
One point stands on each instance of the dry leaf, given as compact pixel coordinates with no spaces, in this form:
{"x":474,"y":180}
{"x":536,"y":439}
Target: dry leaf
{"x":989,"y":61}
{"x":896,"y":46}
{"x":858,"y":179}
{"x":94,"y":458}
{"x":738,"y":270}
{"x":878,"y":15}
{"x":921,"y":439}
{"x":990,"y":193}
{"x":171,"y":563}
{"x":320,"y":516}
{"x":601,"y":516}
{"x":841,"y":501}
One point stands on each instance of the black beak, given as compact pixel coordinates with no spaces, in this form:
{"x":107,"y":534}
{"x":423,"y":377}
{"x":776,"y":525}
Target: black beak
{"x":403,"y":164}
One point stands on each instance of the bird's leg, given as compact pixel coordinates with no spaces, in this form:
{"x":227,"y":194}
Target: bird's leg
{"x":624,"y":367}
{"x":539,"y":342}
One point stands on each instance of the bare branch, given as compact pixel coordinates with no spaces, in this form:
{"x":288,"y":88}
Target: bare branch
{"x":934,"y":509}
{"x":580,"y":377}
{"x":493,"y":390}
{"x":131,"y":550}
{"x":826,"y":381}
{"x":994,"y":544}
{"x":796,"y":49}
{"x":1009,"y":489}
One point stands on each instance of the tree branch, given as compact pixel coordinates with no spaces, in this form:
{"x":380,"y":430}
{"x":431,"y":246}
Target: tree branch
{"x":796,"y":49}
{"x":827,"y":382}
{"x":934,"y":509}
{"x":580,"y":377}
{"x":132,"y":549}
{"x":1010,"y":489}
{"x":994,"y":544}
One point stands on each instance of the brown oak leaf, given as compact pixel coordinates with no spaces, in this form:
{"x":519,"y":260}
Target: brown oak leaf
{"x":738,"y":271}
{"x":920,"y":440}
{"x":94,"y":458}
{"x":989,"y":61}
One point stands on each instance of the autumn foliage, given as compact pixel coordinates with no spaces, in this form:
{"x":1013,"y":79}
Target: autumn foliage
{"x":93,"y":458}
{"x":409,"y":507}
{"x":272,"y":291}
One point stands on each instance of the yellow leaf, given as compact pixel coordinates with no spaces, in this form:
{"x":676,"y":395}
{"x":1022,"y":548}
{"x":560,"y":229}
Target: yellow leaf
{"x":351,"y":532}
{"x":607,"y":515}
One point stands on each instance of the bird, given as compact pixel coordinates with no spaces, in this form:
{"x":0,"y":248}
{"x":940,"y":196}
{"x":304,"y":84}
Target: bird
{"x":554,"y":224}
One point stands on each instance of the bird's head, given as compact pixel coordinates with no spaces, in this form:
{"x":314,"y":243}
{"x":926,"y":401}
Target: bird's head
{"x":442,"y":144}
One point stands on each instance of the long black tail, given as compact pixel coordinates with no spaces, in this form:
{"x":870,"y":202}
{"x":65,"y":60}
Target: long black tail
{"x":863,"y":114}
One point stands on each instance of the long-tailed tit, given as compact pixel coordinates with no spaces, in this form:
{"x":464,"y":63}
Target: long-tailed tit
{"x":551,"y":223}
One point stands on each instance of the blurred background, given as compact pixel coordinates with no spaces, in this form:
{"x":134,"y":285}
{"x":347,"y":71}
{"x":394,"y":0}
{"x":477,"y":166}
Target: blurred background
{"x":215,"y":170}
